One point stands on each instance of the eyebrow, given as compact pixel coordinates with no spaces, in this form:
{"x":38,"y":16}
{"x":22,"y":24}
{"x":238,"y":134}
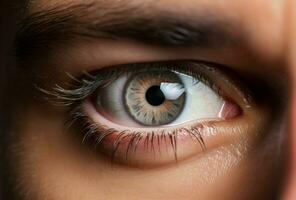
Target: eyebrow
{"x":44,"y":30}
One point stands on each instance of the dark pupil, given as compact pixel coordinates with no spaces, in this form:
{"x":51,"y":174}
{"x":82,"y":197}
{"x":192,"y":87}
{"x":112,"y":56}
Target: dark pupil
{"x":154,"y":96}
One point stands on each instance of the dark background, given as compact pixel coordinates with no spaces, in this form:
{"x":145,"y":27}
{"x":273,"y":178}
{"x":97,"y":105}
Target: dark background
{"x":8,"y":13}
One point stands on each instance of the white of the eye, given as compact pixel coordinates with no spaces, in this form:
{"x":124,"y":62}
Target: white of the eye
{"x":113,"y":94}
{"x":201,"y":101}
{"x":172,"y":91}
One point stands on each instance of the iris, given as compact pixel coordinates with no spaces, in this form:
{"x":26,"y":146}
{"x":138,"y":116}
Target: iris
{"x":154,"y":98}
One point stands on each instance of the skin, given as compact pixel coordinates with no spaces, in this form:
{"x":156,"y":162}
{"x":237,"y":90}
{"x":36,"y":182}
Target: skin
{"x":291,"y":183}
{"x":253,"y":164}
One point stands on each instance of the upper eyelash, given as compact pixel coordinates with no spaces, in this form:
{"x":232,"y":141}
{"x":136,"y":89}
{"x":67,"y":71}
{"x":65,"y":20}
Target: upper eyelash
{"x":80,"y":89}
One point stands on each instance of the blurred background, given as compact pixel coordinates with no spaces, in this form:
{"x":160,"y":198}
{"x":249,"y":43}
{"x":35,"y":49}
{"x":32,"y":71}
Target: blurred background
{"x":8,"y":13}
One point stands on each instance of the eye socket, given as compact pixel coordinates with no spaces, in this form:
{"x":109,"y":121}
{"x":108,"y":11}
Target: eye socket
{"x":162,"y":97}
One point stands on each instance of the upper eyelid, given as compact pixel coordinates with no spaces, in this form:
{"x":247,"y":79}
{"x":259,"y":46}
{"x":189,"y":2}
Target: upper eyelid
{"x":80,"y":88}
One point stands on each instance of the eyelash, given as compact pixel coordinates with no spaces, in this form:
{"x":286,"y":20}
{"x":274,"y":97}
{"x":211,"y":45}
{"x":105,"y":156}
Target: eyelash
{"x":81,"y":89}
{"x":134,"y":138}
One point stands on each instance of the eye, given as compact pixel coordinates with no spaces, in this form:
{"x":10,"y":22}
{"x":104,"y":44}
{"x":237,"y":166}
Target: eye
{"x":152,"y":114}
{"x":162,"y":97}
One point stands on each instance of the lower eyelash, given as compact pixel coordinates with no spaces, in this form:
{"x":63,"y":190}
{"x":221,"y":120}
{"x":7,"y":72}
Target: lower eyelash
{"x":96,"y":133}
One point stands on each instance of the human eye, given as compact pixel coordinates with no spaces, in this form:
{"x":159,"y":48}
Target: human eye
{"x":152,"y":114}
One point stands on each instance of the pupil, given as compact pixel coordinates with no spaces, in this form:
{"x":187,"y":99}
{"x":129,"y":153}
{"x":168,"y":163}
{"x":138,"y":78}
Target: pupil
{"x":154,"y":96}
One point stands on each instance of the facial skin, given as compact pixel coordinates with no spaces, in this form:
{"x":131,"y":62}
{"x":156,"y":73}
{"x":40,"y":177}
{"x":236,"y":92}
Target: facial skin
{"x":247,"y":38}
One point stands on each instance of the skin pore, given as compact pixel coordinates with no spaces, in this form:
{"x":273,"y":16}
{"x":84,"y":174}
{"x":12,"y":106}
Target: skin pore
{"x":49,"y":163}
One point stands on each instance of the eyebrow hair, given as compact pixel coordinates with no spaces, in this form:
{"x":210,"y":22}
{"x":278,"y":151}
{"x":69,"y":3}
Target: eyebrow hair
{"x":43,"y":30}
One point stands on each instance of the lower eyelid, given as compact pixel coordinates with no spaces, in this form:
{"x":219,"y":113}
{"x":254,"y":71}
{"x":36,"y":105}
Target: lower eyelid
{"x":177,"y":143}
